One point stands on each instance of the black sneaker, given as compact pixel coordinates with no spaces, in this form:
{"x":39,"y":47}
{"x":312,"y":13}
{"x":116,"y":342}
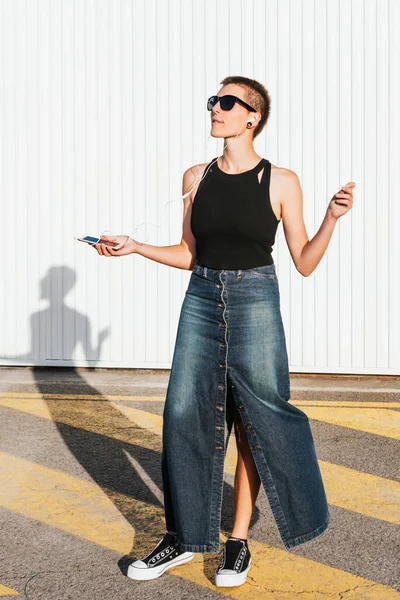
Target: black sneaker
{"x":235,"y":563}
{"x":165,"y":555}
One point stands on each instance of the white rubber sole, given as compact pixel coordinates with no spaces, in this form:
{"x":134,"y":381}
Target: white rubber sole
{"x":225,"y":580}
{"x":144,"y":574}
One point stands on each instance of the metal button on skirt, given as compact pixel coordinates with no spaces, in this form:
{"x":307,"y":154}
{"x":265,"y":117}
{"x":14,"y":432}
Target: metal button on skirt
{"x":231,"y":348}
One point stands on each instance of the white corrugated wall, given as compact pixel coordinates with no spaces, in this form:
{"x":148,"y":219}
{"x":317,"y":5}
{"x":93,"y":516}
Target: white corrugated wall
{"x":103,"y":107}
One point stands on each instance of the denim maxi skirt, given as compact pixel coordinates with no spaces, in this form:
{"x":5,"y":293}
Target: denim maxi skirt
{"x":231,"y":348}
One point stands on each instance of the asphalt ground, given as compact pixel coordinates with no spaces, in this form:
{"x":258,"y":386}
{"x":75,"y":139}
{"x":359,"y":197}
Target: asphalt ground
{"x":81,"y":491}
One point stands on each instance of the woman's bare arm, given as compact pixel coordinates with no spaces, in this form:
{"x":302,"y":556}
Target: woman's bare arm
{"x":306,"y":254}
{"x":182,"y":255}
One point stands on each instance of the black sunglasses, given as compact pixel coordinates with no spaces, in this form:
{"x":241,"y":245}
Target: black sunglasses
{"x":227,"y":102}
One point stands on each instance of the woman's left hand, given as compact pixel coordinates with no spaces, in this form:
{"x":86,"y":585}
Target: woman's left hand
{"x":342,"y":202}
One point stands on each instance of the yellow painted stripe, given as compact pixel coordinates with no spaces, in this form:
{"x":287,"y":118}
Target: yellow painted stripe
{"x":73,"y":505}
{"x":6,"y":591}
{"x":100,"y":418}
{"x":371,"y":420}
{"x":101,"y":397}
{"x":347,"y":488}
{"x":144,"y":418}
{"x":363,"y":493}
{"x":349,"y":404}
{"x":82,"y":509}
{"x":93,"y":397}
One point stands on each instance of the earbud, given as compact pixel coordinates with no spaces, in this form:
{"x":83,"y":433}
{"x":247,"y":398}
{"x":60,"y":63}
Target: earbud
{"x":250,"y":121}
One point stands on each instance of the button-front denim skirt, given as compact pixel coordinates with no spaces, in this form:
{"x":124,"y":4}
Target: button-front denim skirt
{"x":231,"y":348}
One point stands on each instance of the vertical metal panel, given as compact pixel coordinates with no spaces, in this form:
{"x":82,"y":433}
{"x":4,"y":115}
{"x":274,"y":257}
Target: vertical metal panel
{"x":311,"y":72}
{"x":345,"y":169}
{"x":358,"y":239}
{"x":103,"y":109}
{"x":391,"y":236}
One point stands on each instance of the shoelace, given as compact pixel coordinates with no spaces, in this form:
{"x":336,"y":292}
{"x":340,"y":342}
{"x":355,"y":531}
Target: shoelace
{"x":164,"y":552}
{"x":240,"y":558}
{"x":238,"y":561}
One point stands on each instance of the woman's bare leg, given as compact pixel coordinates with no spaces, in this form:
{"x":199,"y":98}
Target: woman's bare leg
{"x":247,"y":482}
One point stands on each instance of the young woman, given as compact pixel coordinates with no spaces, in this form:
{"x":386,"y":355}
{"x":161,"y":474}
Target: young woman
{"x":230,"y":363}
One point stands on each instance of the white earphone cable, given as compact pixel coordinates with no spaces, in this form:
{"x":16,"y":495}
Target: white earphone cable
{"x":251,"y":120}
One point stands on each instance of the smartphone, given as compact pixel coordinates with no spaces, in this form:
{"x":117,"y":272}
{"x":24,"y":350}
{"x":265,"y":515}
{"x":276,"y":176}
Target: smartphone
{"x":89,"y":239}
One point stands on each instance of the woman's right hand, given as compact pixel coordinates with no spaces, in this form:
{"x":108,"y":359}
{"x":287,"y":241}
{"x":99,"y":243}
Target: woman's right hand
{"x":104,"y":247}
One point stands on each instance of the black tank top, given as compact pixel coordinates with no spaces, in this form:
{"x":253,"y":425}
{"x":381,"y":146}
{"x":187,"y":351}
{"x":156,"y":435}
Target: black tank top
{"x":232,"y":218}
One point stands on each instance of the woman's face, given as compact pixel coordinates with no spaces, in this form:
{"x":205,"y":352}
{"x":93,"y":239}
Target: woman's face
{"x":227,"y":123}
